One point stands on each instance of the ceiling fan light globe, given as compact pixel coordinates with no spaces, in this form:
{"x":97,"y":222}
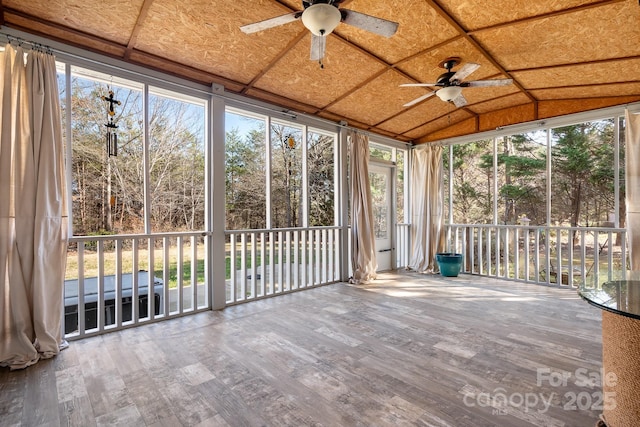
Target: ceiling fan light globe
{"x":449,"y":93}
{"x":321,"y":18}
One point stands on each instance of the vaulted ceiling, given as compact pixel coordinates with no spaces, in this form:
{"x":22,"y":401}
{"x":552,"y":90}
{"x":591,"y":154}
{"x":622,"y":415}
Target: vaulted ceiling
{"x":564,"y":56}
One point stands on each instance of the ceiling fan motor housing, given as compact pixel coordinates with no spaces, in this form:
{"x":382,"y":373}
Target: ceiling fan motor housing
{"x":445,"y":78}
{"x":321,"y":18}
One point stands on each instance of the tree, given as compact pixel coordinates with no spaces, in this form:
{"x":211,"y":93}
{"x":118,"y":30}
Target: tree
{"x":320,"y":163}
{"x":523,"y":190}
{"x":245,"y":179}
{"x":108,"y":192}
{"x":286,"y":176}
{"x":471,"y":193}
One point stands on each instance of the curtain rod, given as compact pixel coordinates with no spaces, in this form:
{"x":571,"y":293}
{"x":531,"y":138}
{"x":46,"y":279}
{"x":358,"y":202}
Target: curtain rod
{"x":33,"y":45}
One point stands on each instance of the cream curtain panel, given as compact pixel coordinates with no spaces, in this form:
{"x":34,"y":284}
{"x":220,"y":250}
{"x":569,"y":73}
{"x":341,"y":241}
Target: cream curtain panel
{"x":363,"y":241}
{"x":33,"y":209}
{"x":632,"y":171}
{"x":427,"y":203}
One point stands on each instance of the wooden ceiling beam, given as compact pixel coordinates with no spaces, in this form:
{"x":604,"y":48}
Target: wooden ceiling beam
{"x":144,"y":11}
{"x":387,"y":67}
{"x":275,"y":60}
{"x":463,"y":31}
{"x":586,"y":85}
{"x":551,"y":14}
{"x":447,"y":114}
{"x":574,"y":64}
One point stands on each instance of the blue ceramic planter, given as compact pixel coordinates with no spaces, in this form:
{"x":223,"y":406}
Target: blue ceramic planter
{"x":449,"y":263}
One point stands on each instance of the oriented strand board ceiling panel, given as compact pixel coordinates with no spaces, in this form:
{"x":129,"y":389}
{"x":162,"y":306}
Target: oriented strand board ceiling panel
{"x":519,"y":114}
{"x":410,"y":118}
{"x":501,"y":103}
{"x":455,"y":117}
{"x":178,"y":69}
{"x":419,"y":28}
{"x":464,"y":127}
{"x":375,"y":102}
{"x":94,"y":17}
{"x":476,"y":95}
{"x":70,"y":37}
{"x":558,"y":108}
{"x":582,"y":74}
{"x":484,"y":13}
{"x":598,"y":33}
{"x":207,"y":37}
{"x":601,"y":91}
{"x":297,"y":77}
{"x":425,"y":68}
{"x":282,"y":101}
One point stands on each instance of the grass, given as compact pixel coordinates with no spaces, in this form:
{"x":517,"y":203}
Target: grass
{"x":90,"y":263}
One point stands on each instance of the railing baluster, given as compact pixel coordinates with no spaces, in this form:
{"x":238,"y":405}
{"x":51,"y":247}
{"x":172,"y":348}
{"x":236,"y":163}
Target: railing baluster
{"x":166,"y":246}
{"x":296,"y":260}
{"x":323,"y":269}
{"x":179,"y":275}
{"x":304,"y":261}
{"x":100,"y":312}
{"x":280,"y":262}
{"x":151,"y":312}
{"x":81,"y":292}
{"x":243,"y":267}
{"x":117,"y":303}
{"x":480,"y":250}
{"x":290,"y":262}
{"x":318,"y":259}
{"x":271,"y":282}
{"x":232,"y":267}
{"x":135,"y":310}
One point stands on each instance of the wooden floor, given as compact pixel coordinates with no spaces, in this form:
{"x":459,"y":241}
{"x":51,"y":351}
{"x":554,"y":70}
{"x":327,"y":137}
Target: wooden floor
{"x":410,"y":349}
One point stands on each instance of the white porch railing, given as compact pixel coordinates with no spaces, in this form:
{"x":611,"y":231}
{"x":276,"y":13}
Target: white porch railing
{"x":263,"y":263}
{"x":562,"y":256}
{"x":120,"y":281}
{"x":164,"y":273}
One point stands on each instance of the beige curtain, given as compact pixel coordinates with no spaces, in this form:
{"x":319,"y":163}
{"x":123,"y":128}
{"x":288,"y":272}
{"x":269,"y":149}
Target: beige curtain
{"x":427,"y":203}
{"x":363,"y":242}
{"x":33,"y":212}
{"x":632,"y":171}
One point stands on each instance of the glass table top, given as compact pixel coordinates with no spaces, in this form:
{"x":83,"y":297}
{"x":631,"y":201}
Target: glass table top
{"x":618,"y":296}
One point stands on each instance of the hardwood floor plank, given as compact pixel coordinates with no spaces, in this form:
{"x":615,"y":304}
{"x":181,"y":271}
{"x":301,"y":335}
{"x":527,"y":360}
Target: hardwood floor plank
{"x":406,"y":350}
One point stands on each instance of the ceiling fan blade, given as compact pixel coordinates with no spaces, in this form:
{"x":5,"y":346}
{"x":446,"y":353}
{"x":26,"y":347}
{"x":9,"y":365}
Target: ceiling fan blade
{"x":318,"y":46}
{"x":487,"y":83}
{"x":415,"y":101}
{"x":369,"y":23}
{"x":459,"y":101}
{"x":270,"y":23}
{"x":463,"y":72}
{"x":418,"y":84}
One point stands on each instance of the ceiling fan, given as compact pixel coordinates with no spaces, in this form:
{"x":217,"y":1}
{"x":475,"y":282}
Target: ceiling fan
{"x":321,"y":17}
{"x":451,"y":83}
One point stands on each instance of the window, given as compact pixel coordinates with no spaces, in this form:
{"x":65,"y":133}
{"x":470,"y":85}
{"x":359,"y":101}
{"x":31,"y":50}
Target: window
{"x":176,"y":162}
{"x":582,"y":174}
{"x":107,"y":191}
{"x":245,"y":171}
{"x":321,"y":178}
{"x":522,"y":178}
{"x":286,"y":176}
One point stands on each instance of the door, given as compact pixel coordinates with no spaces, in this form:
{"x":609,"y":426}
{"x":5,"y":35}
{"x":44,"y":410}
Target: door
{"x":381,"y":181}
